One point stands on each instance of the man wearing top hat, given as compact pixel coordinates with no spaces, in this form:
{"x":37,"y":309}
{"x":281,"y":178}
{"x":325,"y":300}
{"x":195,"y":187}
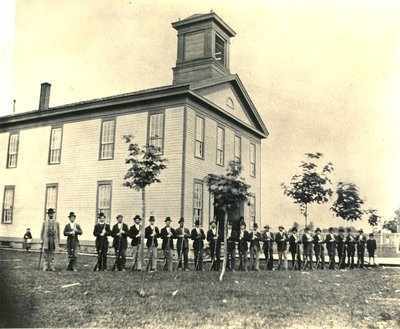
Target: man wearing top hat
{"x":318,"y":241}
{"x":152,"y":233}
{"x":243,"y":238}
{"x":361,"y":241}
{"x":281,"y":239}
{"x":214,"y":237}
{"x":351,"y":248}
{"x":182,"y":233}
{"x":120,"y":232}
{"x":134,"y":234}
{"x":268,"y":241}
{"x":294,"y":248}
{"x":198,"y":236}
{"x":255,"y":247}
{"x":50,"y":237}
{"x":101,"y":232}
{"x":331,"y":241}
{"x":341,"y":248}
{"x":307,"y":241}
{"x":167,"y":235}
{"x":71,"y":231}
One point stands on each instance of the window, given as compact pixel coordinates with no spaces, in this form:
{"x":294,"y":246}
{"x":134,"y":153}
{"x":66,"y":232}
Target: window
{"x":13,"y":151}
{"x":104,"y":199}
{"x":199,"y":147}
{"x":107,"y":139}
{"x":229,"y":103}
{"x":238,"y":149}
{"x":220,"y":49}
{"x":252,"y":209}
{"x":252,"y":159}
{"x":156,"y":130}
{"x":8,"y":205}
{"x":220,"y":145}
{"x":51,"y":197}
{"x":55,"y":145}
{"x":198,"y":202}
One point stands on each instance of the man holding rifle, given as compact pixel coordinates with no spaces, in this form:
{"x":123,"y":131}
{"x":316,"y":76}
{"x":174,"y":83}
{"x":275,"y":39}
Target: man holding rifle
{"x":50,"y":237}
{"x":214,"y":242}
{"x":167,"y":234}
{"x":255,"y":248}
{"x":268,"y":239}
{"x":182,"y":234}
{"x":198,"y":237}
{"x":119,"y":232}
{"x":319,"y":249}
{"x":71,"y":231}
{"x":151,"y":233}
{"x":101,"y":232}
{"x":134,"y":234}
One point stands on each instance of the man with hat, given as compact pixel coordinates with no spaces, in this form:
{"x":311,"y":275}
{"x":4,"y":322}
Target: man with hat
{"x":231,"y":247}
{"x":214,"y":242}
{"x":294,"y":248}
{"x":331,"y":241}
{"x":134,"y":234}
{"x":341,"y":248}
{"x":351,"y":248}
{"x":120,"y":232}
{"x":361,"y":241}
{"x":71,"y":231}
{"x":268,"y":241}
{"x":182,"y":233}
{"x":101,"y":232}
{"x":281,"y":239}
{"x":307,"y":241}
{"x":243,"y":238}
{"x":152,"y":233}
{"x":255,"y":248}
{"x":318,"y":241}
{"x":198,"y":236}
{"x":50,"y":237}
{"x":167,"y":235}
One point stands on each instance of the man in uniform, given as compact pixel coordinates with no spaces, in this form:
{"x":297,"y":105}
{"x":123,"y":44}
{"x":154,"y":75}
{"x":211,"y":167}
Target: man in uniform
{"x":307,"y":241}
{"x":214,"y":242}
{"x":341,"y":248}
{"x":281,"y":239}
{"x":152,"y":233}
{"x":268,"y":240}
{"x":294,"y":249}
{"x":120,"y":232}
{"x":50,"y":237}
{"x":371,"y":247}
{"x":243,"y":238}
{"x":135,"y":235}
{"x":167,"y":235}
{"x":231,"y":239}
{"x":101,"y":232}
{"x":319,"y":249}
{"x":361,"y":242}
{"x":331,"y":240}
{"x":351,"y":248}
{"x":182,"y":233}
{"x":255,"y":248}
{"x":198,"y":237}
{"x":71,"y":231}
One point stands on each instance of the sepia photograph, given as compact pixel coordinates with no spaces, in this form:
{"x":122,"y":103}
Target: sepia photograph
{"x":205,"y":164}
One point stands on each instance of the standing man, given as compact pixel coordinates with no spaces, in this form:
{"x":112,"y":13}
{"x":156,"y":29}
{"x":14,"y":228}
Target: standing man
{"x":101,"y":232}
{"x":331,"y":241}
{"x":294,"y":249}
{"x":351,"y":248}
{"x":134,"y":234}
{"x":268,"y":239}
{"x":214,"y":242}
{"x":231,"y":239}
{"x":307,"y":241}
{"x":243,"y":238}
{"x":167,"y":235}
{"x":198,"y":237}
{"x":281,"y":239}
{"x":71,"y":231}
{"x":120,"y":232}
{"x":151,"y":233}
{"x":50,"y":236}
{"x":183,"y":235}
{"x":371,"y":247}
{"x":255,"y":247}
{"x":318,"y":241}
{"x":341,"y":248}
{"x":361,"y":242}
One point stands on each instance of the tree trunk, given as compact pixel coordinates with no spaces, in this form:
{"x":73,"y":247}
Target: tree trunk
{"x":141,"y":291}
{"x":221,"y":276}
{"x":305,"y":215}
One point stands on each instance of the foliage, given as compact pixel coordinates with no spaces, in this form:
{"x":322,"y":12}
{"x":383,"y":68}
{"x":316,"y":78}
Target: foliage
{"x":296,"y":225}
{"x":373,"y":218}
{"x":392,"y":225}
{"x":348,"y":203}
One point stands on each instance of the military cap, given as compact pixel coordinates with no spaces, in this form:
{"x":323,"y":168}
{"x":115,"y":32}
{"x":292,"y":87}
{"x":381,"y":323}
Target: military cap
{"x":341,"y":230}
{"x":280,"y":226}
{"x":266,"y":226}
{"x":330,"y":229}
{"x":120,"y":216}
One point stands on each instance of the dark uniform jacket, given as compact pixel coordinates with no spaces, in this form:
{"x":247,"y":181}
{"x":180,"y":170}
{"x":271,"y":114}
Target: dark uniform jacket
{"x":123,"y":238}
{"x":255,"y":241}
{"x":371,"y":245}
{"x":361,"y":241}
{"x":318,"y":241}
{"x":198,"y":238}
{"x":243,"y":238}
{"x":268,"y":239}
{"x":281,"y":239}
{"x":294,"y":241}
{"x":231,"y":239}
{"x":151,"y":241}
{"x":306,"y":243}
{"x":101,"y":240}
{"x":211,"y":241}
{"x":185,"y":231}
{"x":133,"y":234}
{"x":72,"y":238}
{"x":330,"y":240}
{"x":351,"y":243}
{"x":341,"y":242}
{"x":165,"y":239}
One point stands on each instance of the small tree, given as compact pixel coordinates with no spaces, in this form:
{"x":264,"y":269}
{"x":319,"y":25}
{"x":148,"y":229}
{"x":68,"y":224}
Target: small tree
{"x":348,"y":203}
{"x":145,"y":165}
{"x":311,"y":186}
{"x":229,"y":191}
{"x":393,"y":224}
{"x":373,"y":218}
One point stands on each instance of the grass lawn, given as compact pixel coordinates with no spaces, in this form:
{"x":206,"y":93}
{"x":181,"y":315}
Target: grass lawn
{"x":279,"y":299}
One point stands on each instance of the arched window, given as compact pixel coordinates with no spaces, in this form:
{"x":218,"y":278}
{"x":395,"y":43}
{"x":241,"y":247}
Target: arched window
{"x":229,"y":103}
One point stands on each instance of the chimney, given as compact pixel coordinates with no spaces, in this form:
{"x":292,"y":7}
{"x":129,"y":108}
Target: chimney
{"x":44,"y":96}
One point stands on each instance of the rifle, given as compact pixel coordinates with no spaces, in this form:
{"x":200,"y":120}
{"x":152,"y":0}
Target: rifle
{"x":341,"y":257}
{"x":151,"y":252}
{"x":100,"y":256}
{"x":40,"y":255}
{"x":135,"y":262}
{"x":268,"y":255}
{"x":118,"y":256}
{"x":180,"y":254}
{"x":199,"y":252}
{"x":72,"y":250}
{"x":319,"y":255}
{"x":167,"y":251}
{"x":296,"y":258}
{"x":215,"y":247}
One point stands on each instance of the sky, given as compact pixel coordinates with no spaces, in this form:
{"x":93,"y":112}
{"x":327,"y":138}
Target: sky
{"x":324,"y":76}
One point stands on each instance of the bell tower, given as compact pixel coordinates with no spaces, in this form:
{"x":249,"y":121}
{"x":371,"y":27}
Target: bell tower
{"x":203,"y":48}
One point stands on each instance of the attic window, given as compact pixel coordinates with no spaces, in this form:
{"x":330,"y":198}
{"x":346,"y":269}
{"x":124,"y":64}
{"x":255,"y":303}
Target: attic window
{"x":229,"y":103}
{"x":220,"y":49}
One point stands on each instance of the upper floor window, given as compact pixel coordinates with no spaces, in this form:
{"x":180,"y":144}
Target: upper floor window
{"x":12,"y":156}
{"x":252,"y":159}
{"x":156,"y":130}
{"x":220,"y":145}
{"x":8,"y":205}
{"x":220,"y":49}
{"x":230,"y":104}
{"x":199,"y":147}
{"x":55,"y":145}
{"x":107,"y":139}
{"x":238,"y":149}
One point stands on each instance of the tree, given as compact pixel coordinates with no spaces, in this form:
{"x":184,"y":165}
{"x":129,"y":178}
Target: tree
{"x":229,"y":191}
{"x":373,"y":218}
{"x":312,"y":185}
{"x":145,"y":165}
{"x":393,"y":224}
{"x":348,"y":203}
{"x":296,"y":225}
